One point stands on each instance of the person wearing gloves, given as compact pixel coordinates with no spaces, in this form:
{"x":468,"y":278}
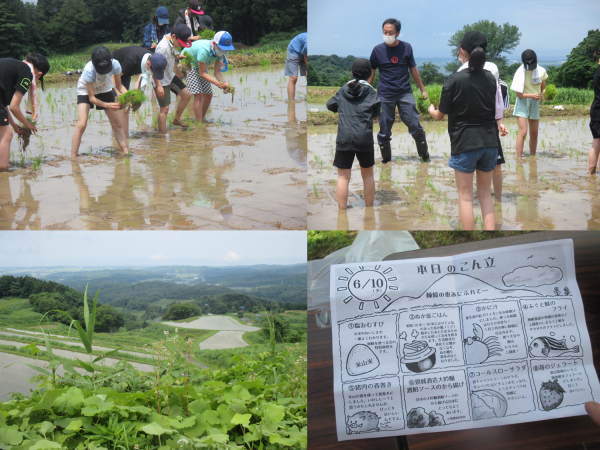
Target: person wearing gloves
{"x":469,"y":98}
{"x":172,"y":81}
{"x":206,"y":52}
{"x":358,"y":105}
{"x":295,"y":60}
{"x":156,"y":29}
{"x":195,"y":19}
{"x":16,"y":79}
{"x":395,"y":60}
{"x":595,"y":118}
{"x":529,"y":83}
{"x":95,"y":88}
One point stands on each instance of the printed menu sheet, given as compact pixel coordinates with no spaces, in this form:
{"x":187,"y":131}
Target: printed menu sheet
{"x":480,"y":339}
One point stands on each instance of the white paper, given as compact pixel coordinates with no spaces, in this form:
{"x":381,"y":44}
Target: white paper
{"x":481,"y":339}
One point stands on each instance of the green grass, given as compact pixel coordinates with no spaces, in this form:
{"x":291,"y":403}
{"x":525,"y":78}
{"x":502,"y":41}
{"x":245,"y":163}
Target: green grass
{"x":322,"y":243}
{"x":62,"y":63}
{"x":220,"y":359}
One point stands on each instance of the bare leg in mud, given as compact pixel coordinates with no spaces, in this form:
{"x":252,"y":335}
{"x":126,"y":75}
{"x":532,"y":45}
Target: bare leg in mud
{"x":201,"y":105}
{"x":342,"y":187}
{"x":291,"y":88}
{"x":6,"y":134}
{"x":593,"y":157}
{"x":162,"y":119}
{"x":522,"y":123}
{"x":83,"y":111}
{"x":497,"y":181}
{"x":534,"y":126}
{"x":369,"y":184}
{"x":464,"y":183}
{"x":116,"y":120}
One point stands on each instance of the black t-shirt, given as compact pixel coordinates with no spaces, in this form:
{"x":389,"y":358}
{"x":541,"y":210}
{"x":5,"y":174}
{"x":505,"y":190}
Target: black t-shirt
{"x":595,"y":109}
{"x":130,"y":59}
{"x":469,"y":100}
{"x":394,"y":64}
{"x":15,"y":76}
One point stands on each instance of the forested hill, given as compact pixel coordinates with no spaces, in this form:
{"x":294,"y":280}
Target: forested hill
{"x":60,"y":26}
{"x":235,"y":276}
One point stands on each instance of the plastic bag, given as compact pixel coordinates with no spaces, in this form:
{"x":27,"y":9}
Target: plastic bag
{"x":367,"y":247}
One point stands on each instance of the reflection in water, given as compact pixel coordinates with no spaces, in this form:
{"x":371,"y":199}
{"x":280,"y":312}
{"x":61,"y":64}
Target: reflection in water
{"x":22,"y":214}
{"x":245,"y":169}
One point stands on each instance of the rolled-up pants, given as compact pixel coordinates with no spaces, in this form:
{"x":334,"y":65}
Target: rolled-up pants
{"x":407,"y":109}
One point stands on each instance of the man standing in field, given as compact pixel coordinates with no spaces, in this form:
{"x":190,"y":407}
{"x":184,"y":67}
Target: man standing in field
{"x":394,"y":59}
{"x":295,"y":61}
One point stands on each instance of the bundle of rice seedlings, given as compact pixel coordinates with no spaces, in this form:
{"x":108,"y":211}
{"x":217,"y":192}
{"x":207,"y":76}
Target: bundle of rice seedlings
{"x":422,"y":105}
{"x":132,"y":100}
{"x":230,"y":90}
{"x":25,"y":137}
{"x":207,"y":34}
{"x":434,"y":92}
{"x":186,"y":63}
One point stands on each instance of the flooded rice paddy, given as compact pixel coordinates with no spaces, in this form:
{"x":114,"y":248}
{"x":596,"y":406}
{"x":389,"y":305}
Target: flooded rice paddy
{"x":551,"y":190}
{"x":243,"y":169}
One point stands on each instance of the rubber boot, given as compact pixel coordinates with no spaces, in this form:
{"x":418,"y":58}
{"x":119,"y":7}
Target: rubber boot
{"x":422,"y":149}
{"x":386,"y":152}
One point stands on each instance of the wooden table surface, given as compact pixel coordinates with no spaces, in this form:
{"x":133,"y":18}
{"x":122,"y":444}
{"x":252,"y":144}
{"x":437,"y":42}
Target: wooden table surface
{"x":568,"y":433}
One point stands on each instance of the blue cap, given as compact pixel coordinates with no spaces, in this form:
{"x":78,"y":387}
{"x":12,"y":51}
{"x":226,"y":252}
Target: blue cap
{"x":162,"y":14}
{"x":224,"y":41}
{"x":158,"y":63}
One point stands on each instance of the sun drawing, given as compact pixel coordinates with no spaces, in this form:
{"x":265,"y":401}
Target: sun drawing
{"x":367,"y":285}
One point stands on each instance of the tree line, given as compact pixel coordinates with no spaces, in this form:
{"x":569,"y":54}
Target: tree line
{"x":64,"y":26}
{"x":577,"y":71}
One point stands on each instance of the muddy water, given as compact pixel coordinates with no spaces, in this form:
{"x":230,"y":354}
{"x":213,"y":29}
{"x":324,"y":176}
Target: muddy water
{"x":548,"y":191}
{"x":244,"y":169}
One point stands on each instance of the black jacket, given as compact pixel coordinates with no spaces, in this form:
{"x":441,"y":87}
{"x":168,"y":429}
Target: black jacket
{"x":181,"y":19}
{"x":357,"y":106}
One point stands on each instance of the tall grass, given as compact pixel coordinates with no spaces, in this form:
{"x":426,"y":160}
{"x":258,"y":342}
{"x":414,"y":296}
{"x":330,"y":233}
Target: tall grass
{"x":565,"y":96}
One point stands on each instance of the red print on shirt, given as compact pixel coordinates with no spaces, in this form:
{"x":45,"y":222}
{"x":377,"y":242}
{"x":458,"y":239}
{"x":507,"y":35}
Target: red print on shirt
{"x":395,"y":60}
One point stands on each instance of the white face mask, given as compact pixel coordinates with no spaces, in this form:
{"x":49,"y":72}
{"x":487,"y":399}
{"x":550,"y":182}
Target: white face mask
{"x":220,"y":52}
{"x":389,"y":39}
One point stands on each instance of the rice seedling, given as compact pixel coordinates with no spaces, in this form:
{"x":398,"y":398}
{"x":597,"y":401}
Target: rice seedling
{"x":186,"y":63}
{"x":265,"y":62}
{"x":132,"y":100}
{"x":544,"y":179}
{"x":37,"y":162}
{"x":384,"y":175}
{"x":434,"y":92}
{"x":315,"y":189}
{"x":428,"y":205}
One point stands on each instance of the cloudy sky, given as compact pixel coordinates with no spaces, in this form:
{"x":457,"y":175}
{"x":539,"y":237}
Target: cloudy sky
{"x":150,"y":248}
{"x":352,"y":27}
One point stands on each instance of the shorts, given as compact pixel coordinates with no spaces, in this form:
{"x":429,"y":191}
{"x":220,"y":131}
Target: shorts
{"x":484,"y":159}
{"x":595,"y":128}
{"x":3,"y":116}
{"x":292,"y":63}
{"x":198,"y":85}
{"x":527,"y":108}
{"x":345,"y":159}
{"x":107,"y":97}
{"x":500,"y":159}
{"x":176,"y":86}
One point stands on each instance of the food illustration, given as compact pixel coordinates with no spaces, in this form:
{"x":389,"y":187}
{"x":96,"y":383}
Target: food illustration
{"x":419,"y":418}
{"x":551,"y":395}
{"x":547,"y":347}
{"x":418,"y":356}
{"x":361,"y":360}
{"x":477,"y":349}
{"x":362,"y":422}
{"x":487,"y":404}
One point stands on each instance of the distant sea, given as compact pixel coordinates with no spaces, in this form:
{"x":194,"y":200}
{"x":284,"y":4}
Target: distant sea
{"x":441,"y":62}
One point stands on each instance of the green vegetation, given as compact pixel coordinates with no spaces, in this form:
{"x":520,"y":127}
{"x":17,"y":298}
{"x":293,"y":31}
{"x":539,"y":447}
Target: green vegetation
{"x":501,"y":39}
{"x":60,"y":26}
{"x":578,"y":70}
{"x":258,"y":400}
{"x":180,"y":311}
{"x":132,"y":99}
{"x":322,"y":243}
{"x":207,"y":34}
{"x":434,"y":92}
{"x":551,"y":92}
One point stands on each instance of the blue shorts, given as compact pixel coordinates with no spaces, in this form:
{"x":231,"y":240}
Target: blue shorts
{"x":484,"y":159}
